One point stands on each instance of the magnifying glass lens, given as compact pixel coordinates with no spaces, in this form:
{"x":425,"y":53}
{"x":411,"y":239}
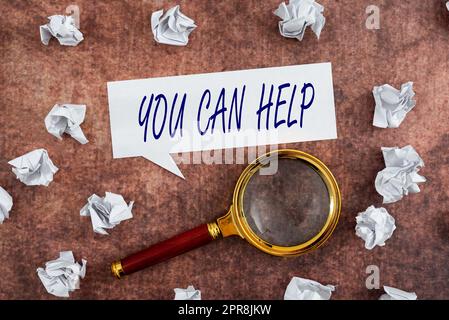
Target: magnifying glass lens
{"x":288,"y":206}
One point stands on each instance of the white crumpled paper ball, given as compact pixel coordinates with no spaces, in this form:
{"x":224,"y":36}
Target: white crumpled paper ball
{"x":375,"y":226}
{"x":305,"y":289}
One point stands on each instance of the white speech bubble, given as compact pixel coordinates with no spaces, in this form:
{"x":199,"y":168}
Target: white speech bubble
{"x":220,"y":110}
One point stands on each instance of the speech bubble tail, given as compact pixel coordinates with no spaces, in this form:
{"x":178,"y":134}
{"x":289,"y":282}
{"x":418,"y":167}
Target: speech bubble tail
{"x":166,"y":161}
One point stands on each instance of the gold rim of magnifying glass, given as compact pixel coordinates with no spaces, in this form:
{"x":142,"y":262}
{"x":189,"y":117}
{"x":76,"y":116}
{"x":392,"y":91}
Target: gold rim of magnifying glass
{"x":242,"y":226}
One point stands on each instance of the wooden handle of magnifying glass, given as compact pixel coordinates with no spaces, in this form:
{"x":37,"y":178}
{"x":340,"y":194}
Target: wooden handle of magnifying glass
{"x":167,"y":249}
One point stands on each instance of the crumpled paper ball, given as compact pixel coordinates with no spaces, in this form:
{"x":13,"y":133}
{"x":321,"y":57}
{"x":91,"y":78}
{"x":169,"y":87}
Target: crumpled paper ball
{"x":62,"y":28}
{"x":187,"y":294}
{"x":392,"y":105}
{"x":400,"y":176}
{"x":5,"y":204}
{"x":67,"y":118}
{"x":171,"y":28}
{"x":396,"y":294}
{"x":297,"y":15}
{"x":34,"y":168}
{"x":375,"y":226}
{"x":305,"y":289}
{"x":107,"y":212}
{"x":62,"y":276}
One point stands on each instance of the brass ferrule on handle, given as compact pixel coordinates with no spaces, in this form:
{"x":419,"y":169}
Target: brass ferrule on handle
{"x":214,"y":230}
{"x":117,"y":269}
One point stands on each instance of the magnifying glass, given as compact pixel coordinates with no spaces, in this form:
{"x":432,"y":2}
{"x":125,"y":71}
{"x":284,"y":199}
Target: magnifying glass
{"x":285,"y":203}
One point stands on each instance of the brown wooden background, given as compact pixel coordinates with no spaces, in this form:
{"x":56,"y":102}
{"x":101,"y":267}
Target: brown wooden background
{"x":411,"y":45}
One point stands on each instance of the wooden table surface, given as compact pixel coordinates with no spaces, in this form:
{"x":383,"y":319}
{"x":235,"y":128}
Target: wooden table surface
{"x":412,"y":44}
